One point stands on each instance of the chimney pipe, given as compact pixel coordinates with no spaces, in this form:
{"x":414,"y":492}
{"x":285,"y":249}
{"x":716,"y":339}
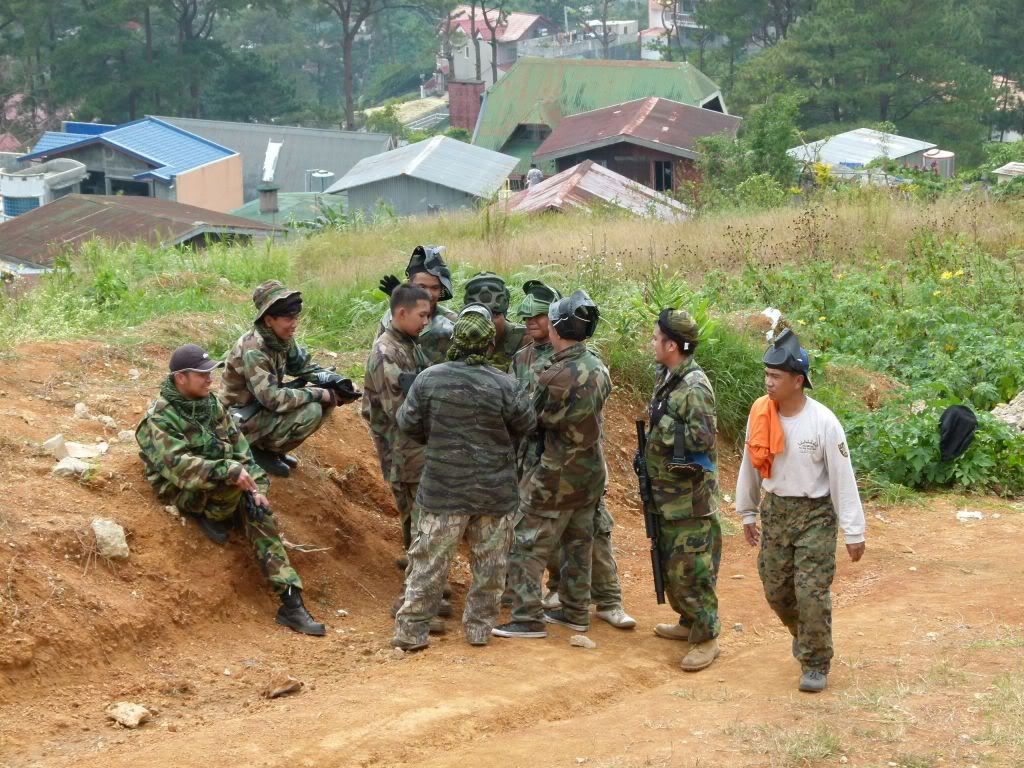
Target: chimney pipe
{"x":268,"y":198}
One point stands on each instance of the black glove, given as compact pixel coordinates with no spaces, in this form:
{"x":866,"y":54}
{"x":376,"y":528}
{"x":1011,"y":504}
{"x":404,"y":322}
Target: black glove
{"x":324,"y":378}
{"x":342,"y":388}
{"x":388,"y":283}
{"x":253,"y":511}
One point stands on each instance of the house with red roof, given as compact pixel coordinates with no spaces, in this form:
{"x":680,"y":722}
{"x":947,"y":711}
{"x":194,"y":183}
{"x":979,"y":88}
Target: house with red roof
{"x":509,"y":30}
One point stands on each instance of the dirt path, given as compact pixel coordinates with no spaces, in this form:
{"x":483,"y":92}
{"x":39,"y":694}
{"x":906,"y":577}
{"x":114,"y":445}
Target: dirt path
{"x":928,"y":632}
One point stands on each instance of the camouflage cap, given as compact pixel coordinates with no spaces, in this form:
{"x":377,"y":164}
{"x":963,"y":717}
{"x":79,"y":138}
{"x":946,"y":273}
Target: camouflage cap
{"x":488,"y":289}
{"x":680,"y":327}
{"x":269,"y":292}
{"x":538,"y":299}
{"x":474,"y":331}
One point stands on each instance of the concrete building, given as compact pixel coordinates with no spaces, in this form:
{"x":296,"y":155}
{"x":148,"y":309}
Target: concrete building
{"x":1007,"y":173}
{"x":303,"y":151}
{"x":24,"y":188}
{"x":438,"y":174}
{"x":510,"y":31}
{"x":148,"y":158}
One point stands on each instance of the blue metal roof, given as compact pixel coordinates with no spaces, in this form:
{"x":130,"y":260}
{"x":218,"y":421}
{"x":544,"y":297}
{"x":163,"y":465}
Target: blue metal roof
{"x":169,"y":149}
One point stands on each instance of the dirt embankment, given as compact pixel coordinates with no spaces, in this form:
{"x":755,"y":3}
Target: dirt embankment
{"x":928,"y":626}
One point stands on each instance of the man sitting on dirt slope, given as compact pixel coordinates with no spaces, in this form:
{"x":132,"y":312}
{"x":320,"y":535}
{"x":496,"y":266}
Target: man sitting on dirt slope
{"x":468,"y":414}
{"x":276,"y":418}
{"x":196,"y":459}
{"x":428,"y":271}
{"x":796,"y":452}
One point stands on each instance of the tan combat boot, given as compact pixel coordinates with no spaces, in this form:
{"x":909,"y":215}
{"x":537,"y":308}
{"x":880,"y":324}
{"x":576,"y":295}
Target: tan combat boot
{"x":700,"y":656}
{"x":673,"y":632}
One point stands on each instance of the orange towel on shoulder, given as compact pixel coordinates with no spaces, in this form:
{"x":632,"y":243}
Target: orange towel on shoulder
{"x":765,"y":439}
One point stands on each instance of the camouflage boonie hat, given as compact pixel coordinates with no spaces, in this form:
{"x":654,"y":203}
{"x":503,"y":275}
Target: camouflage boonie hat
{"x":680,"y":327}
{"x":538,"y":299}
{"x":267,"y":293}
{"x":488,"y":289}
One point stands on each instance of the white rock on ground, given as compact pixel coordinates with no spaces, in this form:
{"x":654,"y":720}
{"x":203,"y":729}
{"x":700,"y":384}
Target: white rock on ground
{"x":1011,"y":413}
{"x":580,"y":641}
{"x":81,"y":411}
{"x":968,"y":514}
{"x":127,"y":714}
{"x":55,"y":447}
{"x":81,"y":451}
{"x":110,"y":540}
{"x":126,"y":436}
{"x":70,"y":467}
{"x":107,"y":421}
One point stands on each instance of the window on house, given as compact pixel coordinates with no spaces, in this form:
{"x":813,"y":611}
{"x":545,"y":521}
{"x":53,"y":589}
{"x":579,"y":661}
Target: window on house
{"x":95,"y":183}
{"x":129,"y":188}
{"x":663,"y":175}
{"x":15,"y":206}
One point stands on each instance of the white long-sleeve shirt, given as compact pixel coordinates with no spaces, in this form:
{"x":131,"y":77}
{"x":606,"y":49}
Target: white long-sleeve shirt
{"x":814,"y":463}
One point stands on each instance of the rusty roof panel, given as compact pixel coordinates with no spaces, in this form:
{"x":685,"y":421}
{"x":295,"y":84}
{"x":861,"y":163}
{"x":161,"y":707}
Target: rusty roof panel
{"x":654,"y":122}
{"x":39,"y":236}
{"x":589,"y":184}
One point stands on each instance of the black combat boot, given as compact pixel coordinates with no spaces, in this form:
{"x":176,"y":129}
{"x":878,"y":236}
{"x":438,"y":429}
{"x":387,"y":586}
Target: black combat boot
{"x":293,"y":613}
{"x":270,"y":462}
{"x":215,"y":530}
{"x":289,"y":460}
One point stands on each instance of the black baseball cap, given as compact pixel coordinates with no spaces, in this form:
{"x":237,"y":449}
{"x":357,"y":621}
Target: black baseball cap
{"x":191,"y":357}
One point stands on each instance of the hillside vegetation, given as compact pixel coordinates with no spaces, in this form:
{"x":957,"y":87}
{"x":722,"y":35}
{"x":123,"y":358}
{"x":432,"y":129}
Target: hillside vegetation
{"x":907,"y":306}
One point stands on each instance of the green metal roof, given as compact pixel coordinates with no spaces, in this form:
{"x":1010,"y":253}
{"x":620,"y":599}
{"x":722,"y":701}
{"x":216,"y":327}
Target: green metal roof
{"x":301,"y":206}
{"x":545,"y":90}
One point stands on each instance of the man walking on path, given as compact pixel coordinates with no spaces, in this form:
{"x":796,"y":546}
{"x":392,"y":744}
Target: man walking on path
{"x":467,"y":414}
{"x":681,"y":465}
{"x":796,"y":452}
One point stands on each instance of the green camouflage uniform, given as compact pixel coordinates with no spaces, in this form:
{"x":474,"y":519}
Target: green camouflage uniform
{"x":508,"y":345}
{"x":467,"y":414}
{"x":558,"y":494}
{"x":254,"y":371}
{"x":490,"y":290}
{"x":394,"y":362}
{"x":192,"y":456}
{"x":435,"y":338}
{"x":690,"y":540}
{"x":528,"y":363}
{"x":797,"y":563}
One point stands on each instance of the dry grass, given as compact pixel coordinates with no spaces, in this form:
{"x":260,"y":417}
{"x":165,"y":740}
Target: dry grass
{"x":840,"y":230}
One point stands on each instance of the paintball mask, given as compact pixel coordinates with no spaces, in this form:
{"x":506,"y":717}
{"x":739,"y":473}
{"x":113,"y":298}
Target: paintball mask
{"x":574,"y":317}
{"x":430,"y":259}
{"x":786,"y":354}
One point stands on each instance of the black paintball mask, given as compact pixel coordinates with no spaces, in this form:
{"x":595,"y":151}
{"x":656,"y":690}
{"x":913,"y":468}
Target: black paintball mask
{"x":786,"y":354}
{"x":574,"y":317}
{"x":430,"y":259}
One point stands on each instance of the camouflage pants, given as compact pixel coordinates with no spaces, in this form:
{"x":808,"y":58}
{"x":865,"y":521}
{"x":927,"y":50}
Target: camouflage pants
{"x":797,"y":563}
{"x":605,"y":589}
{"x":690,"y":550}
{"x":225,"y":503}
{"x":536,"y":538}
{"x":283,"y":432}
{"x":436,"y":543}
{"x":405,"y":501}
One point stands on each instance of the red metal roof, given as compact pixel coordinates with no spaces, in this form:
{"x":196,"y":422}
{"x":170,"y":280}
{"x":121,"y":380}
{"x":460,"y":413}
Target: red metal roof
{"x":588,"y":184}
{"x":652,"y":122}
{"x":39,"y":236}
{"x":511,"y":29}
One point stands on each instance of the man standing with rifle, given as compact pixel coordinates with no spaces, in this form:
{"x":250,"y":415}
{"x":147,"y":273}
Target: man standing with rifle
{"x":676,"y":466}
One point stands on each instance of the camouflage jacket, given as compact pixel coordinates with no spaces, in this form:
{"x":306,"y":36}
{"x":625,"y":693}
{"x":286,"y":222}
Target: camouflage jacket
{"x":394,"y":363}
{"x":254,"y":372}
{"x":684,"y":397}
{"x":569,"y":399}
{"x":181,"y":454}
{"x":506,"y":349}
{"x":527,"y":366}
{"x":468,"y":416}
{"x":435,"y":338}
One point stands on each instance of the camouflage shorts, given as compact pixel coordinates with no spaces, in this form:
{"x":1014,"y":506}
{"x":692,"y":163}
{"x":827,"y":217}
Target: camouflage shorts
{"x":797,"y":563}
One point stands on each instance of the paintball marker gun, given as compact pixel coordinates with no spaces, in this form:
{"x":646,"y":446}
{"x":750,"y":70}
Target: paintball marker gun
{"x":652,"y":521}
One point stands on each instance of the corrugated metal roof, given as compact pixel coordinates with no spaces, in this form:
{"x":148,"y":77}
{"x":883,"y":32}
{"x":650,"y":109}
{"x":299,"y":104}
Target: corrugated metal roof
{"x":652,"y":122}
{"x":858,"y":148}
{"x":516,"y":25}
{"x":169,"y":149}
{"x":589,"y":184}
{"x":39,"y":236}
{"x":304,"y":149}
{"x":1011,"y":169}
{"x":441,"y":160}
{"x":550,"y":89}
